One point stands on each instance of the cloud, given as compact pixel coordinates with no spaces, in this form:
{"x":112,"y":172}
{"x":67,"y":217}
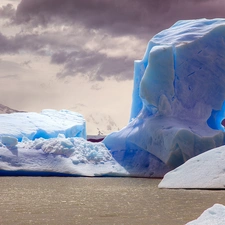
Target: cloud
{"x":96,"y":66}
{"x":23,"y":42}
{"x":7,"y":11}
{"x":26,"y":64}
{"x":10,"y":69}
{"x":4,"y":44}
{"x":9,"y":76}
{"x":82,"y":53}
{"x":132,"y":17}
{"x":97,"y":39}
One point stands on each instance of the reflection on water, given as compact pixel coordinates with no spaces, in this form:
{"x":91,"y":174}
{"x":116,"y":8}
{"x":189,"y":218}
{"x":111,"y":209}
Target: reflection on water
{"x":64,"y":200}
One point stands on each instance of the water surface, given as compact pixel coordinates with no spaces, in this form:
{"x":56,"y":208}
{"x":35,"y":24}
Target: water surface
{"x":68,"y":200}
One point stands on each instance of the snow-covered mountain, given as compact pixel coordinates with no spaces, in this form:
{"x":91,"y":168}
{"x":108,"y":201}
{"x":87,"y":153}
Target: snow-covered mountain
{"x":5,"y":109}
{"x":97,"y":123}
{"x":100,"y":123}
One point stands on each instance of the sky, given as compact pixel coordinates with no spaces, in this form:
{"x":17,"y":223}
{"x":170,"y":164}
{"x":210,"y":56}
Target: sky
{"x":79,"y":54}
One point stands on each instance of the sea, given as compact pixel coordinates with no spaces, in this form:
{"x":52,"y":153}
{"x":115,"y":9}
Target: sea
{"x":98,"y":201}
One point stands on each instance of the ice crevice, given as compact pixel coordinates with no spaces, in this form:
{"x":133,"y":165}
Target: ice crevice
{"x":174,"y":67}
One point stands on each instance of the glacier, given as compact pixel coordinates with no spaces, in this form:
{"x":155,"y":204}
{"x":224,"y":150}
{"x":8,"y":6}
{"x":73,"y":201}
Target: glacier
{"x":178,"y":98}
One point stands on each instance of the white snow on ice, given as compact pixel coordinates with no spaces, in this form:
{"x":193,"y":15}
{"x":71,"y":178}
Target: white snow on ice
{"x":52,"y":143}
{"x":212,"y":216}
{"x":206,"y":171}
{"x":67,"y":156}
{"x":47,"y":124}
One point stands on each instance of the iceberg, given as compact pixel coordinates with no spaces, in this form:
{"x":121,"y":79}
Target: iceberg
{"x":205,"y":171}
{"x":213,"y":215}
{"x":52,"y":143}
{"x":178,"y":99}
{"x":47,"y":124}
{"x":58,"y":156}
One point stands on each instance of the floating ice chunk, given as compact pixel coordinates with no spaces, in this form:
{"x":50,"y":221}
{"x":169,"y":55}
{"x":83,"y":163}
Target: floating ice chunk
{"x":206,"y":171}
{"x":212,"y":216}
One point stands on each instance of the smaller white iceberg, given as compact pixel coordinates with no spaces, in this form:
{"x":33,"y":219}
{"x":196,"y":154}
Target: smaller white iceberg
{"x":205,"y":171}
{"x":52,"y":143}
{"x":59,"y":156}
{"x":212,"y":216}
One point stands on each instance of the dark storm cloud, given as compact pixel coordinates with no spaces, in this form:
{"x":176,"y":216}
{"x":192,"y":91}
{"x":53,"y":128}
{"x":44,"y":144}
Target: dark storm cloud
{"x":116,"y":18}
{"x":4,"y":44}
{"x":136,"y":17}
{"x":21,"y":42}
{"x":11,"y":45}
{"x":83,"y":62}
{"x":7,"y":11}
{"x":95,"y":65}
{"x":40,"y":44}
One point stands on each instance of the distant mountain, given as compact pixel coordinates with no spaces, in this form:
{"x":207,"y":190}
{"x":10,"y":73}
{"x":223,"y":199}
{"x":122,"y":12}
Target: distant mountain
{"x":100,"y":123}
{"x":6,"y":110}
{"x":97,"y":123}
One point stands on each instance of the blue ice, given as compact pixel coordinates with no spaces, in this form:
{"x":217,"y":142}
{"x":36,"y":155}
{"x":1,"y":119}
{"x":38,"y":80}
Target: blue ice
{"x":178,"y":98}
{"x":47,"y":124}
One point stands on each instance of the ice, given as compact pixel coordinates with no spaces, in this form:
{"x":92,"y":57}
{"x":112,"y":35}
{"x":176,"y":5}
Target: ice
{"x":9,"y":141}
{"x":178,"y":99}
{"x":214,"y":215}
{"x":52,"y":143}
{"x":47,"y":124}
{"x":58,"y":156}
{"x":177,"y":110}
{"x":205,"y":171}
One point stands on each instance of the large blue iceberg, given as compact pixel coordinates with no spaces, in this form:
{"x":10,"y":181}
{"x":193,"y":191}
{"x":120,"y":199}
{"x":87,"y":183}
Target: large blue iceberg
{"x":178,"y":99}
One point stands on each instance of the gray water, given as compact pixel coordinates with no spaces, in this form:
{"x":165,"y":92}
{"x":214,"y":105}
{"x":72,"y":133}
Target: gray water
{"x":64,"y":200}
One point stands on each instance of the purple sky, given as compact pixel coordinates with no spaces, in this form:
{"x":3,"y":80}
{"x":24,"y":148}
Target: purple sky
{"x":60,"y":54}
